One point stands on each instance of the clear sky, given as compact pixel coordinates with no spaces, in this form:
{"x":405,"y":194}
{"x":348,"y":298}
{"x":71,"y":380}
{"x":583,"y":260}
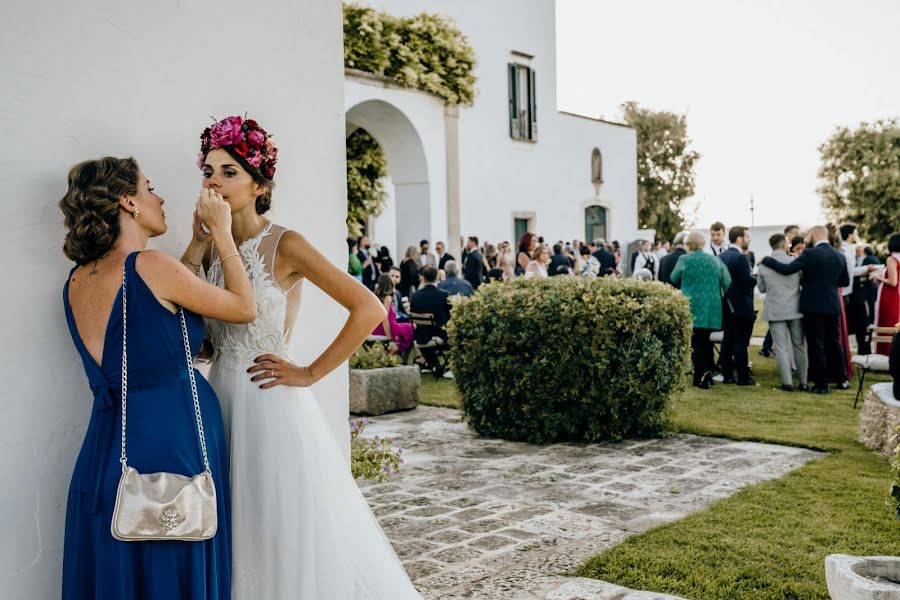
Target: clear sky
{"x":762,"y":83}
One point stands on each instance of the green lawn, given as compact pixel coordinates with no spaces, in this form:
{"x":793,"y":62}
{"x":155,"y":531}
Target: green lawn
{"x":760,"y":327}
{"x":438,"y":392}
{"x":768,"y":541}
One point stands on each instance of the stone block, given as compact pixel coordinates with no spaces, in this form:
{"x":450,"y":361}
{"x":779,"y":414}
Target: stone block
{"x":379,"y":391}
{"x":863,"y":577}
{"x":880,"y":413}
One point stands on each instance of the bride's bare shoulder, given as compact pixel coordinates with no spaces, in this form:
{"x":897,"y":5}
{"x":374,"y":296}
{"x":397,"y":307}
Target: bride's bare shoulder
{"x":296,"y":250}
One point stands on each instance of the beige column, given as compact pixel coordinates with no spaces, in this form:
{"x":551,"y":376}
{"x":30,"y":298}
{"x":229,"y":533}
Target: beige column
{"x":451,"y":142}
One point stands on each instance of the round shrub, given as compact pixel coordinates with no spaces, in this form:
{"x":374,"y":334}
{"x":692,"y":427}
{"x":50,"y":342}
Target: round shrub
{"x":569,"y":358}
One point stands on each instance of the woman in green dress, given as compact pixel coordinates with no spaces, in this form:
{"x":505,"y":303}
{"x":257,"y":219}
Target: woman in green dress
{"x":704,"y":279}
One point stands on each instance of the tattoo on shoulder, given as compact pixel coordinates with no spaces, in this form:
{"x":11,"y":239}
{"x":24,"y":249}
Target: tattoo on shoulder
{"x":94,"y":270}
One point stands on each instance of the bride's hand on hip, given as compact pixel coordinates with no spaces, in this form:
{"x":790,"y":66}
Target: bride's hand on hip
{"x":274,"y":370}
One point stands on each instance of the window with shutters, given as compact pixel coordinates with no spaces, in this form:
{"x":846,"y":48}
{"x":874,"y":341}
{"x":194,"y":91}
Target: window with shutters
{"x":522,"y":102}
{"x":594,"y":223}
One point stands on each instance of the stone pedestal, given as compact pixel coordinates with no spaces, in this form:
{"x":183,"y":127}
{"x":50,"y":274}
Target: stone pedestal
{"x":863,"y":577}
{"x":879,"y":415}
{"x":379,"y":391}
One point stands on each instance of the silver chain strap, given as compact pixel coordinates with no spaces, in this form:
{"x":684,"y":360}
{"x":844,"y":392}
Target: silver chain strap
{"x":190,"y":362}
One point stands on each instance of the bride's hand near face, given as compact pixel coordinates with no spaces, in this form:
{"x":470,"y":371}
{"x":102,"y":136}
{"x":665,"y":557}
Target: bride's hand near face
{"x":213,"y":212}
{"x":202,"y":235}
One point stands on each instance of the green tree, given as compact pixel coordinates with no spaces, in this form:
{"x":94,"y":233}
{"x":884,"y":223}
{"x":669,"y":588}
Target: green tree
{"x":860,"y":175}
{"x":366,"y":167}
{"x":665,"y":168}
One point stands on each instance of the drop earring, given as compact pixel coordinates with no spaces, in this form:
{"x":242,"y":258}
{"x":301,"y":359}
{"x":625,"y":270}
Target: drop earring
{"x":136,"y":213}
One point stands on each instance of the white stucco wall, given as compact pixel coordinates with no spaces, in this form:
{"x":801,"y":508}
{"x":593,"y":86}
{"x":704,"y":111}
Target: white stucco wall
{"x":86,"y":79}
{"x":551,"y":178}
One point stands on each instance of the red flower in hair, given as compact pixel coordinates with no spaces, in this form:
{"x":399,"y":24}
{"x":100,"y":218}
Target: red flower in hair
{"x":246,"y":138}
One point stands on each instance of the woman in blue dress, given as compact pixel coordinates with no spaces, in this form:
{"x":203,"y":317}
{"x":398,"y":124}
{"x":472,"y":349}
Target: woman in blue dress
{"x":110,"y":212}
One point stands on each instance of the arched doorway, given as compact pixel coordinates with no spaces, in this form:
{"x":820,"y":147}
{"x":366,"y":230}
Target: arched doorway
{"x":407,"y":215}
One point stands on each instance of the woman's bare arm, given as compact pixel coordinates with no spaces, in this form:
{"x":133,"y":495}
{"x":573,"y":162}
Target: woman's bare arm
{"x":386,"y":323}
{"x":366,"y":311}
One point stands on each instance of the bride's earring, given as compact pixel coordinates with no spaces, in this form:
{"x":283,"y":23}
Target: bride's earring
{"x":136,"y":213}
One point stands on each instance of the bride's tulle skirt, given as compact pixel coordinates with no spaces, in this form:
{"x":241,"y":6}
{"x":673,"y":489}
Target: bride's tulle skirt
{"x":301,"y":527}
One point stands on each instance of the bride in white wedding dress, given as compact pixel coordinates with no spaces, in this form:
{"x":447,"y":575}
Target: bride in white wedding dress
{"x":301,"y":527}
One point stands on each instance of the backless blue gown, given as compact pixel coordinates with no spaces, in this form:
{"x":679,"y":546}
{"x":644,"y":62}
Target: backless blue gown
{"x":162,"y":436}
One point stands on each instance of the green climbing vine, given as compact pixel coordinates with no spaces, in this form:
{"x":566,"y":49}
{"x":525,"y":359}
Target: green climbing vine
{"x":426,"y":51}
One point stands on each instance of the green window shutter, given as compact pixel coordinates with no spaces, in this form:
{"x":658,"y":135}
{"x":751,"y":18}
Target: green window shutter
{"x":532,"y":98}
{"x":513,"y":104}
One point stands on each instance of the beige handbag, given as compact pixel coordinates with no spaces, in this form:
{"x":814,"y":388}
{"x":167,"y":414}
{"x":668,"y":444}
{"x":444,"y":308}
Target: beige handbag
{"x":163,"y":506}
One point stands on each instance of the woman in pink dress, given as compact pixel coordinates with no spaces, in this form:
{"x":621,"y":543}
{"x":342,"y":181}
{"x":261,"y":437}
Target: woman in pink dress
{"x":888,"y":306}
{"x":506,"y":261}
{"x":400,"y":333}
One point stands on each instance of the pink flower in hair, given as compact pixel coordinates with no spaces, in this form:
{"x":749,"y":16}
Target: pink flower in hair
{"x":227,"y":132}
{"x":201,"y":158}
{"x":255,"y":158}
{"x":256,"y":139}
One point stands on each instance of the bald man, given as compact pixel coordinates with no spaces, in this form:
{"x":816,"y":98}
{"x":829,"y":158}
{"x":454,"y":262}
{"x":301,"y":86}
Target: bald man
{"x":824,"y":272}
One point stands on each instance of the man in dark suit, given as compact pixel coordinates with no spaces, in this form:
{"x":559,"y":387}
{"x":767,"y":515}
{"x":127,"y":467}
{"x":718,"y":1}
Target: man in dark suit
{"x":473,"y":270}
{"x":739,"y":311}
{"x":824,"y":271}
{"x":667,"y":262}
{"x":557,"y":260}
{"x":606,"y":258}
{"x":433,"y":301}
{"x":370,"y":268}
{"x":442,"y":255}
{"x":453,"y":284}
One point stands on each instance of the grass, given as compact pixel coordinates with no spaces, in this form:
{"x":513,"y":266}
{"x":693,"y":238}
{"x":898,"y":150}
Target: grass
{"x":767,"y":541}
{"x":438,"y":392}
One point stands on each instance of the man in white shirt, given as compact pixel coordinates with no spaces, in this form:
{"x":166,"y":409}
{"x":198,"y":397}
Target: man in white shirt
{"x":426,"y":258}
{"x":717,"y":244}
{"x":854,"y":302}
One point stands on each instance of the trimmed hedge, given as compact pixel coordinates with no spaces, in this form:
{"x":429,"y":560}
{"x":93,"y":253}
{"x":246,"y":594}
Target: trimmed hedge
{"x":569,"y":358}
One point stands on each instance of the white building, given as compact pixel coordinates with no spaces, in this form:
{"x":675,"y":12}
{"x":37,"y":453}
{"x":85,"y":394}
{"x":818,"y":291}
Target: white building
{"x":511,"y":162}
{"x":97,"y":77}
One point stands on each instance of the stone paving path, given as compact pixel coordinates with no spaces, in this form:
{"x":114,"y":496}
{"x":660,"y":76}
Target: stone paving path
{"x":482,"y":518}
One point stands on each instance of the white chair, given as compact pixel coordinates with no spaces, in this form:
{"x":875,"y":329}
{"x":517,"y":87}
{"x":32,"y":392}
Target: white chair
{"x":879,"y":363}
{"x":716,"y":338}
{"x":377,"y":339}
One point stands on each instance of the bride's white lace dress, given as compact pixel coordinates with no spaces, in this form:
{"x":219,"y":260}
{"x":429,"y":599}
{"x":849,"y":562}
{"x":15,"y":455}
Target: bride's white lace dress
{"x":301,"y":527}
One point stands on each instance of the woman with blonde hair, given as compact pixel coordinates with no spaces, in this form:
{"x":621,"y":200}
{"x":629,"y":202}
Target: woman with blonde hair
{"x":538,"y":267}
{"x":506,"y":262}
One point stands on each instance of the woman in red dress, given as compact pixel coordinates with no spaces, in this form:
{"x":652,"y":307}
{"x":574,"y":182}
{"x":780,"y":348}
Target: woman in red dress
{"x":888,"y":307}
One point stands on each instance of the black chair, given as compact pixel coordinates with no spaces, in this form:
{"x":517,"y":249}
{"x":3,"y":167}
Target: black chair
{"x":432,"y":351}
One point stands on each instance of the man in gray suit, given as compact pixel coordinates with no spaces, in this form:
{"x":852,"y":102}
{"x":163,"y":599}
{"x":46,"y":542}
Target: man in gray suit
{"x":782,"y":311}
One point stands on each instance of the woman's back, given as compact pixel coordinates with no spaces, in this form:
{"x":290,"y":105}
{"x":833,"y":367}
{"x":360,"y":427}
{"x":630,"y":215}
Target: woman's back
{"x":161,"y":437}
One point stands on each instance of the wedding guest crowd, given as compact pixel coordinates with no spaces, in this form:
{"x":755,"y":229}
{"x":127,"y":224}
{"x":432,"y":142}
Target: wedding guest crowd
{"x":821,"y":287}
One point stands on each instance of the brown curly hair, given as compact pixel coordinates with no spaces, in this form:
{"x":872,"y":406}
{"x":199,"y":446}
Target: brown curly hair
{"x":91,"y":205}
{"x":264,"y":200}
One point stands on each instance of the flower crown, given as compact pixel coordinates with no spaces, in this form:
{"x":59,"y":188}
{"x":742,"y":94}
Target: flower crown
{"x":246,"y":138}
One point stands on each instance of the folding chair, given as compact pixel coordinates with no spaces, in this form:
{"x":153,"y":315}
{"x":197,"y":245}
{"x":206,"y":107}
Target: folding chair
{"x":434,"y":348}
{"x":878,"y":363}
